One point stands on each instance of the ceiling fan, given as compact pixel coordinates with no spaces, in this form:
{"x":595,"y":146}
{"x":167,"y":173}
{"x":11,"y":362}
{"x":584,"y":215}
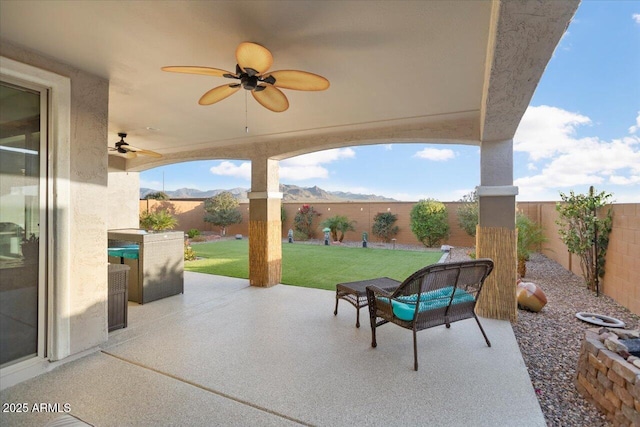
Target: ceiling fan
{"x":253,"y":61}
{"x":129,"y":151}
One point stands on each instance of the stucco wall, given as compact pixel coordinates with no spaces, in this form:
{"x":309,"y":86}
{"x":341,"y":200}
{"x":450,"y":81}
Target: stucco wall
{"x":124,"y":190}
{"x":87,"y":211}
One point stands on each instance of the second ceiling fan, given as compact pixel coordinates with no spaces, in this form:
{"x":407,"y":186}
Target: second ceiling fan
{"x":253,"y":62}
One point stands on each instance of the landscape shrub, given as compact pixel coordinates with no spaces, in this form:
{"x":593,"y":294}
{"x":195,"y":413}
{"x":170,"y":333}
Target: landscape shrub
{"x":193,"y":233}
{"x":585,"y":232}
{"x":530,"y":237}
{"x":429,"y":222}
{"x":384,"y":226}
{"x":468,"y":213}
{"x":338,"y":223}
{"x":189,"y":253}
{"x":303,"y":222}
{"x":157,"y":220}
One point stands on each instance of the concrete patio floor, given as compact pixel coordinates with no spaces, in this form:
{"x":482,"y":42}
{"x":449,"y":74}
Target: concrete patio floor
{"x":228,"y":354}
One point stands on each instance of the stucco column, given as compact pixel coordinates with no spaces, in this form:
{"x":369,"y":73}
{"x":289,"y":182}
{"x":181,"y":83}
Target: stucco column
{"x":265,"y":228}
{"x":496,"y":235}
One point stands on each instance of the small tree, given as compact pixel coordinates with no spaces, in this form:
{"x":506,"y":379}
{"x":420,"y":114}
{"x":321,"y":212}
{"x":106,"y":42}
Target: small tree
{"x":157,"y":220}
{"x":303,"y":221}
{"x":530,"y":236}
{"x":468,"y":213}
{"x":222,"y":210}
{"x":158,"y":195}
{"x":383,"y":226}
{"x":584,"y":232}
{"x":338,"y":223}
{"x":429,"y":222}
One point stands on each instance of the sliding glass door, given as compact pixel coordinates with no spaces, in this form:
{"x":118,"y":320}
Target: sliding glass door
{"x":23,"y":112}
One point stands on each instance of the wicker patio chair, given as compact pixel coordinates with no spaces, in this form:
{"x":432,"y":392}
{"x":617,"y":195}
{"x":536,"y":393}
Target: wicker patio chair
{"x":447,"y":293}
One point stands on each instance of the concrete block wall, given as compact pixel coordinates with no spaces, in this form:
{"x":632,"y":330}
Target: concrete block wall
{"x":622,"y":262}
{"x":190,"y":214}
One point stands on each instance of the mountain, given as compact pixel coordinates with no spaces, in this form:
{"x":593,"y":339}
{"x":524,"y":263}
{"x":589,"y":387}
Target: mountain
{"x":292,"y":193}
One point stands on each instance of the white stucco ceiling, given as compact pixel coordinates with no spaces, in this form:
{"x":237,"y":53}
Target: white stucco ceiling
{"x":447,"y":71}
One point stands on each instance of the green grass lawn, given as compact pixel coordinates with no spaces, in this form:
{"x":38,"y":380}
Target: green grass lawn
{"x":313,"y":266}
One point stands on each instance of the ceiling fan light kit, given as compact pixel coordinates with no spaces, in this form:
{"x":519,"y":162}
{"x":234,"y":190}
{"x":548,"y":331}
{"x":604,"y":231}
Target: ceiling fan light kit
{"x":253,"y":61}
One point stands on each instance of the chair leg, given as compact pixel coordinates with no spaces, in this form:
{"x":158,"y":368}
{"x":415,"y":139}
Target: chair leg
{"x":415,"y":351}
{"x":335,"y":312}
{"x":373,"y":334}
{"x":482,"y":330}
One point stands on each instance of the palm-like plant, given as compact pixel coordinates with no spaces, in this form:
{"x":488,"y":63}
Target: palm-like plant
{"x":530,"y":237}
{"x":338,"y":223}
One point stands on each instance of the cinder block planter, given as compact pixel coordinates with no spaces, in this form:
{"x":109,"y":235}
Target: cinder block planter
{"x":609,"y":376}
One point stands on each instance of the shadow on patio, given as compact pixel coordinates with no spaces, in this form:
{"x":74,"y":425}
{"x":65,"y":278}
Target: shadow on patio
{"x":227,"y":354}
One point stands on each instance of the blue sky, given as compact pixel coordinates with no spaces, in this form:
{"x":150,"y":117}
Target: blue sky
{"x":582,"y":128}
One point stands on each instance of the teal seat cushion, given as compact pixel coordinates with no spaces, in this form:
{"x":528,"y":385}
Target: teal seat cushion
{"x":405,"y":306}
{"x":124,"y":252}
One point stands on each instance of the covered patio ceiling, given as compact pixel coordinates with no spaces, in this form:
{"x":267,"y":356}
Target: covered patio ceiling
{"x":401,"y":71}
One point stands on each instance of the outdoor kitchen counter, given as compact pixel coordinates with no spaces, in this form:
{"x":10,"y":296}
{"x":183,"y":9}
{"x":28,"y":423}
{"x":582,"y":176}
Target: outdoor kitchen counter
{"x":159,"y":270}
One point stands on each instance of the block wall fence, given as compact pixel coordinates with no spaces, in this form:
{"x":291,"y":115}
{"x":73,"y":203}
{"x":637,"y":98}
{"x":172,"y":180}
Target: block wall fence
{"x":621,"y":281}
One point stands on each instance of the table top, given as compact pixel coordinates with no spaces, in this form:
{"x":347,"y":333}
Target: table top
{"x":360,"y":287}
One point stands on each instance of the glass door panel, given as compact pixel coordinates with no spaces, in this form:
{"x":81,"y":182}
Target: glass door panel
{"x":21,"y":182}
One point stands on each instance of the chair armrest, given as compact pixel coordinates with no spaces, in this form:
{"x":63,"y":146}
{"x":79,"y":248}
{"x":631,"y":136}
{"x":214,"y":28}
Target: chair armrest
{"x":376,"y":291}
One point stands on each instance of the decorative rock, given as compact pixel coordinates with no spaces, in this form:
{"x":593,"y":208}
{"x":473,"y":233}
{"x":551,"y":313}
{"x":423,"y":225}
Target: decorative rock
{"x":616,"y":346}
{"x":530,"y":296}
{"x":636,"y":363}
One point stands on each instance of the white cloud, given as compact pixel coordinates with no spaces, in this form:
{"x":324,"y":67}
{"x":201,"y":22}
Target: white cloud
{"x":636,"y":17}
{"x":633,"y":129}
{"x":436,"y":154}
{"x":545,"y":131}
{"x":623,"y":180}
{"x":309,"y":166}
{"x":243,"y":170}
{"x":548,"y":136}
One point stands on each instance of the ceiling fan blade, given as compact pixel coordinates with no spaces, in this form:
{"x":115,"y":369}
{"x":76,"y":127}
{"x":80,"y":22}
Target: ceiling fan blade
{"x":148,"y":153}
{"x":299,"y":80}
{"x":218,"y":94}
{"x":127,"y":155}
{"x":207,"y":71}
{"x":271,"y":98}
{"x":251,"y":56}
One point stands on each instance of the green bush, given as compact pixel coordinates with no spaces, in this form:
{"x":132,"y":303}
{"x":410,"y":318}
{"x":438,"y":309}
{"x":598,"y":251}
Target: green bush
{"x":158,"y":220}
{"x":383,"y":226}
{"x":468,"y":213}
{"x":193,"y":233}
{"x":338,"y":223}
{"x":429,"y":222}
